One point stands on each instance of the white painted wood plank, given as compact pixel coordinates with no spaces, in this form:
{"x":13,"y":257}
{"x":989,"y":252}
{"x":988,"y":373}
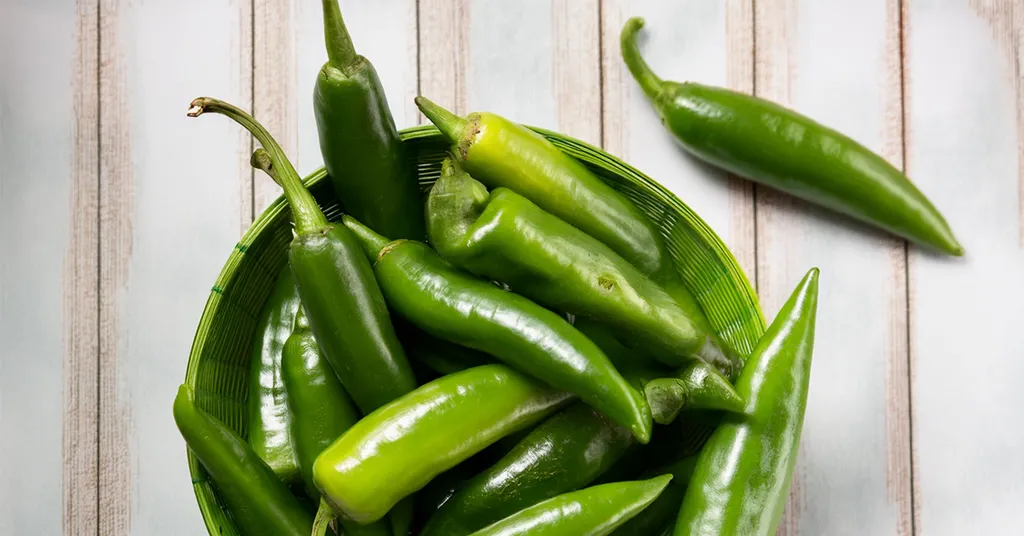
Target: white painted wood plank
{"x":710,"y":42}
{"x":535,"y":62}
{"x":838,"y":62}
{"x":48,"y":274}
{"x":171,"y":203}
{"x":290,"y":52}
{"x":965,"y":138}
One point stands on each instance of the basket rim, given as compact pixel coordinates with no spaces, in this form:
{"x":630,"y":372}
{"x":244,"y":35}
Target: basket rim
{"x":279,"y":205}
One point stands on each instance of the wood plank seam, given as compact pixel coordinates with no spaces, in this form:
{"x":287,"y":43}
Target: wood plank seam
{"x":901,"y":390}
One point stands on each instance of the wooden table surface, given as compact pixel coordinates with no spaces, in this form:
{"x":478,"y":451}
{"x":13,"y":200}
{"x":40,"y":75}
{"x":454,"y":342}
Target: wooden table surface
{"x":117,"y":212}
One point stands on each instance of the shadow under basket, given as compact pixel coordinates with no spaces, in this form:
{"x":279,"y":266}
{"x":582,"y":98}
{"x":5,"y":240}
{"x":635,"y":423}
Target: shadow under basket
{"x":218,"y":365}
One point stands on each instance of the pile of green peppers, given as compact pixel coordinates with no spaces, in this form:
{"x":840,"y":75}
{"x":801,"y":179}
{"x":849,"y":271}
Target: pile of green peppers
{"x":516,"y":353}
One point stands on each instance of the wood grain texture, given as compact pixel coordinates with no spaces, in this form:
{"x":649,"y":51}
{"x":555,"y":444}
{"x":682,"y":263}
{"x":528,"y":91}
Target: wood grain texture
{"x":45,"y":172}
{"x":963,"y":148}
{"x":80,"y":441}
{"x":275,"y":86}
{"x":708,"y":42}
{"x":444,"y":53}
{"x":838,"y":62}
{"x":170,"y":209}
{"x":576,"y":68}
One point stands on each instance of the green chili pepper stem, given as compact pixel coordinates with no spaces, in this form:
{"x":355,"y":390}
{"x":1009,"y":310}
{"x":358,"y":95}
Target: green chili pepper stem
{"x":451,"y":125}
{"x":341,"y":53}
{"x":373,"y":243}
{"x":698,"y":386}
{"x":324,"y":517}
{"x":305,"y":211}
{"x":643,"y":73}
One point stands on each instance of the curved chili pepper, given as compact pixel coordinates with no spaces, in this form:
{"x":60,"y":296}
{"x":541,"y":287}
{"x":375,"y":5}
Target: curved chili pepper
{"x":501,"y":153}
{"x":399,"y":448}
{"x":594,"y":511}
{"x":259,"y":502}
{"x":563,"y":454}
{"x":321,"y":410}
{"x":777,"y":147}
{"x":503,"y":236}
{"x":360,"y":146}
{"x":742,"y":477}
{"x":269,"y":419}
{"x":659,"y":516}
{"x":346,"y":310}
{"x":453,"y":305}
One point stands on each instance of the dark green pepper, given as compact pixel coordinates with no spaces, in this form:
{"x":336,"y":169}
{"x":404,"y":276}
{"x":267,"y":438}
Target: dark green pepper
{"x":563,"y":454}
{"x":362,"y":152}
{"x":269,"y":419}
{"x":594,"y":511}
{"x":741,"y":481}
{"x":346,"y":310}
{"x":453,"y":305}
{"x":321,"y":410}
{"x":777,"y":147}
{"x":505,"y":237}
{"x":501,"y":153}
{"x":399,"y":448}
{"x":259,"y":502}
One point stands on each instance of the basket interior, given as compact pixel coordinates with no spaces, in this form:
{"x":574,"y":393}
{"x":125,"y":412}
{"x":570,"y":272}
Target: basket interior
{"x":218,"y":367}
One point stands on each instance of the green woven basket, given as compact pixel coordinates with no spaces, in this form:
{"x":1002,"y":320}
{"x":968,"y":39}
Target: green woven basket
{"x":218,"y":366}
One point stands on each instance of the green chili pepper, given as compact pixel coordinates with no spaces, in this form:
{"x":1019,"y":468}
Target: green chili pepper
{"x":563,"y":454}
{"x":777,"y":147}
{"x":501,"y":153}
{"x":259,"y":502}
{"x":660,"y":515}
{"x":503,"y":236}
{"x":594,"y":511}
{"x":453,"y":305}
{"x":742,"y":478}
{"x":347,"y":312}
{"x":321,"y":410}
{"x":696,"y":385}
{"x":399,"y":448}
{"x":269,"y":420}
{"x":361,"y":149}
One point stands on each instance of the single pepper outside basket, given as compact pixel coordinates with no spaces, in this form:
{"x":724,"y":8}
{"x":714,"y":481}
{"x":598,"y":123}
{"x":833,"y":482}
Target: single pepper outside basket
{"x":218,"y":363}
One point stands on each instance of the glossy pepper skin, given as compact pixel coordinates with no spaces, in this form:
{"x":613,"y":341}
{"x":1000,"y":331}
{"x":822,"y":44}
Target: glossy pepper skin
{"x":399,"y":448}
{"x":777,"y":147}
{"x":320,"y":408}
{"x":455,"y":306}
{"x":661,"y":514}
{"x":269,"y":419}
{"x":346,"y":310}
{"x":562,"y":454}
{"x":359,"y":143}
{"x":742,"y":477}
{"x":696,"y":385}
{"x":259,"y":502}
{"x":503,"y":236}
{"x":501,"y":153}
{"x":594,"y":511}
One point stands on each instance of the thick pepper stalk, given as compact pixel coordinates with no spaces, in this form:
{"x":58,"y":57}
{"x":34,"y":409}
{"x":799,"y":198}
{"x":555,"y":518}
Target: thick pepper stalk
{"x":346,"y":310}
